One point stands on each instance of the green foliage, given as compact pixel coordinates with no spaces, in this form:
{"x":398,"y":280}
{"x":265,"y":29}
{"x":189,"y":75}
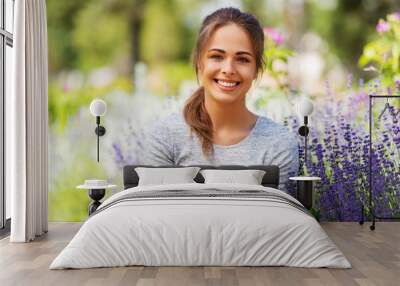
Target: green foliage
{"x":346,"y":26}
{"x":161,"y":35}
{"x":276,"y":53}
{"x":63,"y":103}
{"x":60,"y":16}
{"x":257,"y":8}
{"x":101,"y":37}
{"x":384,"y":50}
{"x":276,"y":58}
{"x":66,"y":202}
{"x":316,"y":213}
{"x":173,"y":73}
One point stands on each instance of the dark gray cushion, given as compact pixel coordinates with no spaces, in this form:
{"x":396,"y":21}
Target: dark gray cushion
{"x":270,"y":179}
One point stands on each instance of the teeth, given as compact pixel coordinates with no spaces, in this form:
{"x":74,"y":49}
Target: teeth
{"x":227,"y":84}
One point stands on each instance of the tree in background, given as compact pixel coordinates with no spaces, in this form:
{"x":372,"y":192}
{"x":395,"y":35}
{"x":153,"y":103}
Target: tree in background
{"x":101,"y":37}
{"x":347,"y":26}
{"x":89,"y":34}
{"x":161,"y":34}
{"x":61,"y":21}
{"x":257,"y":8}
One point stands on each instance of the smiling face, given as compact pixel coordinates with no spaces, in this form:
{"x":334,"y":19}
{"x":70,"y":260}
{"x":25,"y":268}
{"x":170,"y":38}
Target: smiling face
{"x":227,"y":64}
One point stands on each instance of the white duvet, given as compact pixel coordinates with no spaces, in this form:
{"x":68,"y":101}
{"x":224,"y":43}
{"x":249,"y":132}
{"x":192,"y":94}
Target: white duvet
{"x":183,"y":231}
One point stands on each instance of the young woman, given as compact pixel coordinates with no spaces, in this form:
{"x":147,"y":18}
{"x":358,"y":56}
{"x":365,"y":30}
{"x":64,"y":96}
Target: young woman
{"x":216,"y":127}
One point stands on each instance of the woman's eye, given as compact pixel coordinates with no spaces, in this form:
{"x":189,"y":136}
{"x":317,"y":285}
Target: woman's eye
{"x":243,"y":60}
{"x":217,"y":57}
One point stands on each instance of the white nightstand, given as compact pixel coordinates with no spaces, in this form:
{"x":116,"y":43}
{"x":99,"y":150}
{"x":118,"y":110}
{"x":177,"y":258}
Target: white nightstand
{"x":305,"y":190}
{"x":97,"y":190}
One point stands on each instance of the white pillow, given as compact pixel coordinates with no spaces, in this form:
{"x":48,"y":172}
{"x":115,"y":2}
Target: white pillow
{"x":248,"y":177}
{"x":164,"y":176}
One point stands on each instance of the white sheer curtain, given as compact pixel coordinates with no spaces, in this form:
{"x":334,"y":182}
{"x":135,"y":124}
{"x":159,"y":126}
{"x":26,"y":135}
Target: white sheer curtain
{"x":27,"y":122}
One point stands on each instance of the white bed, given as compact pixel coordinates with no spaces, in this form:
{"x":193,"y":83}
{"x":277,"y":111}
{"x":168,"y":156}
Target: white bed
{"x":249,"y":225}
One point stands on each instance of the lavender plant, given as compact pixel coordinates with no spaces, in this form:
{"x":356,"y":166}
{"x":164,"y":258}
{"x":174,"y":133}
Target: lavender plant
{"x":339,"y":154}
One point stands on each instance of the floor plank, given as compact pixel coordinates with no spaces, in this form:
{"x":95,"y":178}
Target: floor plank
{"x":374,"y":255}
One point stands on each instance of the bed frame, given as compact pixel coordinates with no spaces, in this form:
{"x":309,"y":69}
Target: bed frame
{"x":270,"y":179}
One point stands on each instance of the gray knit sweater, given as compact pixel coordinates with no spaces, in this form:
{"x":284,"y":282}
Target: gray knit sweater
{"x":170,"y":142}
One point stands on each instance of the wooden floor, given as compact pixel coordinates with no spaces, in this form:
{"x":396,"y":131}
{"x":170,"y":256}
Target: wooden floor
{"x":374,"y":255}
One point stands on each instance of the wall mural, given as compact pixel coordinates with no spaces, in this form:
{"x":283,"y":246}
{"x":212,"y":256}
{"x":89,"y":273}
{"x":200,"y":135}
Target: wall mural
{"x":142,"y":79}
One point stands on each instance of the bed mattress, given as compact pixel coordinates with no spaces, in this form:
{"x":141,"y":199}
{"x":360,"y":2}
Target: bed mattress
{"x":201,"y":225}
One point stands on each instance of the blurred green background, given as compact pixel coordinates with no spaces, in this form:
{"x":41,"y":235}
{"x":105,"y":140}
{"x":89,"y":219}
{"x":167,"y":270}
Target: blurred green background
{"x":136,"y":54}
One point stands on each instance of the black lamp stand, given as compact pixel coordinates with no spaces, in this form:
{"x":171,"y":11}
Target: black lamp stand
{"x":96,"y":195}
{"x":305,"y":189}
{"x":100,"y":131}
{"x":303,"y":131}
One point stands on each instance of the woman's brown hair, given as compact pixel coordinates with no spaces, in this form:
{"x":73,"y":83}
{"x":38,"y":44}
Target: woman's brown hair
{"x":195,"y":113}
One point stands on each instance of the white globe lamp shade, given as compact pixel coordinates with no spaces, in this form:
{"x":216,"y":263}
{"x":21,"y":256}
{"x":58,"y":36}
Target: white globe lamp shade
{"x":98,"y":107}
{"x":305,"y":107}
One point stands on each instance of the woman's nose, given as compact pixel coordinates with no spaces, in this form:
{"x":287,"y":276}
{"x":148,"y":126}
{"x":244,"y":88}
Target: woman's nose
{"x":228,"y":67}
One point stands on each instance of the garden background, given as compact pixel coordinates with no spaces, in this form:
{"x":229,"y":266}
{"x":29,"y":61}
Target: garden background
{"x":135,"y":54}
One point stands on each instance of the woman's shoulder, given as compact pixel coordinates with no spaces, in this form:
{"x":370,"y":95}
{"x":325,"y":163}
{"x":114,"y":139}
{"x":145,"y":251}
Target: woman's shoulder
{"x":266,"y":127}
{"x":171,"y":122}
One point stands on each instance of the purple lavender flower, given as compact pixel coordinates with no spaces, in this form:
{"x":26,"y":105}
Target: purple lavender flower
{"x":349,"y":80}
{"x":119,"y":157}
{"x":397,"y":84}
{"x":339,"y":154}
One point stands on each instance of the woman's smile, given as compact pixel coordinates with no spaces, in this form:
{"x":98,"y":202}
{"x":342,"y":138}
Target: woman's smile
{"x":227,"y":85}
